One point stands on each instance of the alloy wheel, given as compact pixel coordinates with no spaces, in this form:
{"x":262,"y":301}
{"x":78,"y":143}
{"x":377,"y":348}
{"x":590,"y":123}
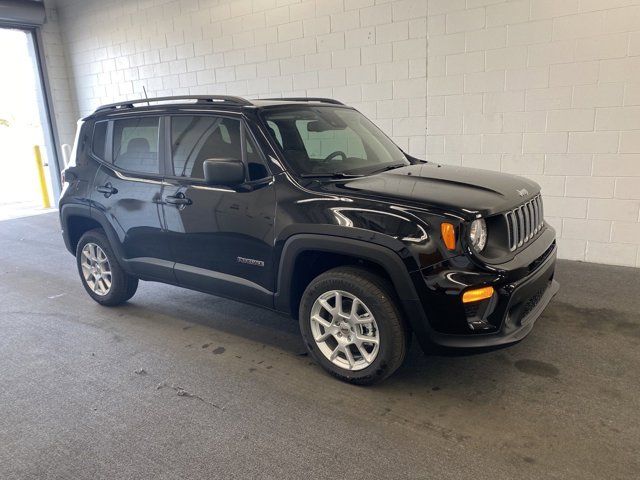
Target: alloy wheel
{"x":345,"y":330}
{"x":96,"y":269}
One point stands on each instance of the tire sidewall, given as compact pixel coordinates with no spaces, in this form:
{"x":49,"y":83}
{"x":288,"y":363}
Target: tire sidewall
{"x":378,"y":306}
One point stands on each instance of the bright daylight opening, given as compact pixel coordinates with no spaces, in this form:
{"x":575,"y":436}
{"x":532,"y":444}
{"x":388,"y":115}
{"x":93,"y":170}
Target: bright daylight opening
{"x":21,"y":128}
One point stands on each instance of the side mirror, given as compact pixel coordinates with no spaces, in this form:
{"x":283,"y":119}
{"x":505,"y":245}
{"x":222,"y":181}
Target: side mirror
{"x":220,"y":171}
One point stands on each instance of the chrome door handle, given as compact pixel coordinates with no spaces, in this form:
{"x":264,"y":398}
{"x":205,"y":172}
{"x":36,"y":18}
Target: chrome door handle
{"x":178,"y":199}
{"x":107,"y":189}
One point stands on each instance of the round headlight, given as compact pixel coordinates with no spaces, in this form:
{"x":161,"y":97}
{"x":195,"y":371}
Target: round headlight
{"x":478,"y":234}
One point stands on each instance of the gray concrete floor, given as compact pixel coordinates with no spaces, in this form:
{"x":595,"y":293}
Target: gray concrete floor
{"x":181,"y":384}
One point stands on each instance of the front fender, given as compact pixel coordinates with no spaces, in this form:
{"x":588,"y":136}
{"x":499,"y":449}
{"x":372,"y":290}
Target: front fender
{"x":388,"y":253}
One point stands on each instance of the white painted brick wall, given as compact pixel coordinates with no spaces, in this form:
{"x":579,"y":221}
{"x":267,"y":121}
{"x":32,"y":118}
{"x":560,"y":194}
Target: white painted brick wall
{"x":363,"y":52}
{"x":549,"y":89}
{"x":558,"y":83}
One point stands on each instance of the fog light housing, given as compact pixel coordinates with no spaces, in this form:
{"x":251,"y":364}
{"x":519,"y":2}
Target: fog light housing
{"x":478,"y":305}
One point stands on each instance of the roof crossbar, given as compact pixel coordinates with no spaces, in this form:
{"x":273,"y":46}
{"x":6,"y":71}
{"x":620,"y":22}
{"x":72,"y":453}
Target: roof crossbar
{"x":228,"y":99}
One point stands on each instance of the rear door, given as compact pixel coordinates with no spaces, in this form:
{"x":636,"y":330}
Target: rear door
{"x":221,"y":238}
{"x":128,"y":192}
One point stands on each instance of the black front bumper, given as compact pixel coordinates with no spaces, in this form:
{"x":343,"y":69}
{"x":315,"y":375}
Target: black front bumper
{"x":518,"y":302}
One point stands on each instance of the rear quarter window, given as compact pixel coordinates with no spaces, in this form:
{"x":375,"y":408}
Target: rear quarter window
{"x":99,"y":139}
{"x":135,"y":144}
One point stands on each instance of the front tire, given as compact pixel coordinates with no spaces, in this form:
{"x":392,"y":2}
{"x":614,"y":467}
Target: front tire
{"x":352,"y":326}
{"x":102,"y":276}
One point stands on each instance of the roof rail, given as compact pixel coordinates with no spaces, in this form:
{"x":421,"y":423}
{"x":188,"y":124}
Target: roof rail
{"x":199,"y":99}
{"x":307,"y":99}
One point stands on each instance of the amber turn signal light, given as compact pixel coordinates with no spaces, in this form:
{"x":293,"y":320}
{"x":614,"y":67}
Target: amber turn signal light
{"x":448,"y":235}
{"x":477,"y":294}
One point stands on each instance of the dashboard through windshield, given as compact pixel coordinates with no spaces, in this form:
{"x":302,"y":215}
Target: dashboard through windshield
{"x":326,"y":140}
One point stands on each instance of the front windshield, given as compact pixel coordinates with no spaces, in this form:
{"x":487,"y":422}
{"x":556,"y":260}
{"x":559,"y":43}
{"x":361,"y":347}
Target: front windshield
{"x":331,"y":140}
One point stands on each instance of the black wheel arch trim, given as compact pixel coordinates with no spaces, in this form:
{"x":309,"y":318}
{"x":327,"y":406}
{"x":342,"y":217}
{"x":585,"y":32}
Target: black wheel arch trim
{"x":85,"y":211}
{"x":391,"y":260}
{"x":72,"y":210}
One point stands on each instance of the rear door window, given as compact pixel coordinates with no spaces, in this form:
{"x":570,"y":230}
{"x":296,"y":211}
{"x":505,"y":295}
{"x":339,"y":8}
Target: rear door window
{"x":135,"y":144}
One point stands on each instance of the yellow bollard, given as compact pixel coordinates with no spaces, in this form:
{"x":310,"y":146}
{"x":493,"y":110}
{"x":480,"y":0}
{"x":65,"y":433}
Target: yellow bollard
{"x":43,"y":181}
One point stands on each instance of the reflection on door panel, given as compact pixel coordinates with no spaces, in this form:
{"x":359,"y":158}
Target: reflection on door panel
{"x":220,"y":224}
{"x":196,"y":139}
{"x":130,"y":195}
{"x":134,"y":211}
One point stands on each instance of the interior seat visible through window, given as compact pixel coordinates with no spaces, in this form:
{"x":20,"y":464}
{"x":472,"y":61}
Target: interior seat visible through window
{"x":198,"y":138}
{"x":135,"y":144}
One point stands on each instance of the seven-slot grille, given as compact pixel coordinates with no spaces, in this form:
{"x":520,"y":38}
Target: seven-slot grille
{"x":524,"y":222}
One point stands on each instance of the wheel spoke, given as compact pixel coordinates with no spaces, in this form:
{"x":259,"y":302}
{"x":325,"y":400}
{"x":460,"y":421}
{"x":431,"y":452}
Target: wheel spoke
{"x":354,"y":308}
{"x":367,"y":339}
{"x":349,"y":355}
{"x":326,"y":306}
{"x":323,"y":336}
{"x":363,"y":352}
{"x":338,"y":298}
{"x":321,"y":321}
{"x":335,"y":353}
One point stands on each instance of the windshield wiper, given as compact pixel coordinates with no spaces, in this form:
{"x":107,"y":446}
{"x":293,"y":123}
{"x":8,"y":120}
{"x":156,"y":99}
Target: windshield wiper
{"x":329,"y":175}
{"x":388,"y":167}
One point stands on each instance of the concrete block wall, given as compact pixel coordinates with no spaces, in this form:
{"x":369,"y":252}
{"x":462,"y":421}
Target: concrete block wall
{"x":369,"y":54}
{"x":549,"y":89}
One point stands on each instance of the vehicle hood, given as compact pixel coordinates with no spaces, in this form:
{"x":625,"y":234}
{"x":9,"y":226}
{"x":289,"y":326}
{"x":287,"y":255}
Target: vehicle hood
{"x":459,"y":190}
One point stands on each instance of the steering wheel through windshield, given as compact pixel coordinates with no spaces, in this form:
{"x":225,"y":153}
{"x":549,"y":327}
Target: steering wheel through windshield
{"x":337,"y":153}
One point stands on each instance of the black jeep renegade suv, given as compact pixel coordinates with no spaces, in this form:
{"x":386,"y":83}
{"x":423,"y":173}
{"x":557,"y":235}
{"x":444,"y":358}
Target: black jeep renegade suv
{"x":304,"y":206}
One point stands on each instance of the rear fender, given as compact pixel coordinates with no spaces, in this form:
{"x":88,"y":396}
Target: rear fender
{"x":69,"y":211}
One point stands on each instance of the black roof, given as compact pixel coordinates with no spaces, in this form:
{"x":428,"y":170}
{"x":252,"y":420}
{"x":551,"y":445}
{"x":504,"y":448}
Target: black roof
{"x":226,"y":100}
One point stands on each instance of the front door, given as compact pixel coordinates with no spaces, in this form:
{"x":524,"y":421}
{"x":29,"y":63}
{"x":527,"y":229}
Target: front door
{"x":221,"y":238}
{"x":128,"y":193}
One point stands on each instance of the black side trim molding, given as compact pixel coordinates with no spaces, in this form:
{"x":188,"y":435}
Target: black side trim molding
{"x":148,"y":268}
{"x":213,"y":275}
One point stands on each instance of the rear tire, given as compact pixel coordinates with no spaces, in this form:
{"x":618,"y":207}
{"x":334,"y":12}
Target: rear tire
{"x":361,"y":344}
{"x":102,"y":276}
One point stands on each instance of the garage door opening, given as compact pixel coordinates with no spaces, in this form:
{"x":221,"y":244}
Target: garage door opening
{"x":25,"y":188}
